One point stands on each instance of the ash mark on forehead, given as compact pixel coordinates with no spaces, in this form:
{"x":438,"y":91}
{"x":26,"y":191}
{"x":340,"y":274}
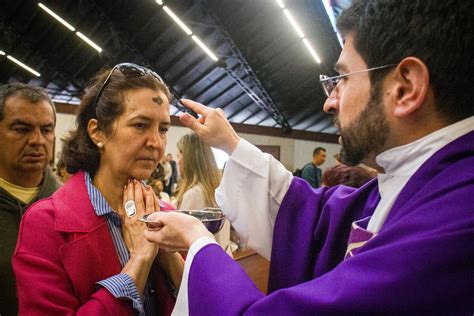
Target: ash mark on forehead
{"x":158,"y":100}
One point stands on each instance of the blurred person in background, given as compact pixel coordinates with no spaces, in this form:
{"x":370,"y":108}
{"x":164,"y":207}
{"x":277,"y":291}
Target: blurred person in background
{"x":157,"y":186}
{"x":167,"y":172}
{"x":199,"y":179}
{"x":61,"y":172}
{"x":174,"y":175}
{"x":311,"y":171}
{"x":352,"y":176}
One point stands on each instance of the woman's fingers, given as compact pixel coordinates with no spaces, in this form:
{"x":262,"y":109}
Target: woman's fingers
{"x":138,"y":197}
{"x":150,"y":200}
{"x":128,"y":201}
{"x":156,"y":201}
{"x":128,"y":194}
{"x":125,"y":194}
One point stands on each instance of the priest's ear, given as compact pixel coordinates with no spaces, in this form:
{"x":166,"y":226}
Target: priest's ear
{"x":409,"y":86}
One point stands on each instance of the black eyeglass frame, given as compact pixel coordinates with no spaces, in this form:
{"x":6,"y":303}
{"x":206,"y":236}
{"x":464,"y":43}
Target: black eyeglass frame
{"x":129,"y":70}
{"x":330,"y":83}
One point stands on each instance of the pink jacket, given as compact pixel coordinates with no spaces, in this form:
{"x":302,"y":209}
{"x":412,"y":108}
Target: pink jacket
{"x":63,"y":249}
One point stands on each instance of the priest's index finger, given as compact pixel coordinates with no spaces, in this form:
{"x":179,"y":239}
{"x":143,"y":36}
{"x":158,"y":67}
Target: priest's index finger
{"x":195,"y":106}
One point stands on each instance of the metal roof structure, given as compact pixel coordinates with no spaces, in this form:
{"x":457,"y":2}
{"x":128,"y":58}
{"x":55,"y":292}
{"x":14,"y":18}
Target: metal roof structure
{"x":263,"y":76}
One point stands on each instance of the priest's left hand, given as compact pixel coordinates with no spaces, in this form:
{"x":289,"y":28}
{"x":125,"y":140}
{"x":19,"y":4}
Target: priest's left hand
{"x":178,"y":231}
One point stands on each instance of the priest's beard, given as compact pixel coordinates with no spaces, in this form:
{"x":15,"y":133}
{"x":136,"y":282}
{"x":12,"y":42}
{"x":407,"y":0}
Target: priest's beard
{"x":367,"y":133}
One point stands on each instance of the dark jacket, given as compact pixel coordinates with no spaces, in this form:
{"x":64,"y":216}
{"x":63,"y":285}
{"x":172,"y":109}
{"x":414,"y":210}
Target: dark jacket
{"x":11,"y":211}
{"x":312,"y":174}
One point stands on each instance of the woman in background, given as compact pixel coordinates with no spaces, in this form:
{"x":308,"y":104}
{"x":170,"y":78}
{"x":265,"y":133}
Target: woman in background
{"x":79,"y":251}
{"x":199,"y":179}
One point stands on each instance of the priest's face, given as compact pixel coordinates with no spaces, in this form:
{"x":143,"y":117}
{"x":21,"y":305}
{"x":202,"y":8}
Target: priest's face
{"x":358,"y":109}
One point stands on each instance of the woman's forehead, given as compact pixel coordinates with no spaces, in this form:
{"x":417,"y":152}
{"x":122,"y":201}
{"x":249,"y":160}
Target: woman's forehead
{"x":146,"y":101}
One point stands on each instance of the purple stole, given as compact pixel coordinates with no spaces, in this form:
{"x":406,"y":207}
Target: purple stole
{"x":358,"y":237}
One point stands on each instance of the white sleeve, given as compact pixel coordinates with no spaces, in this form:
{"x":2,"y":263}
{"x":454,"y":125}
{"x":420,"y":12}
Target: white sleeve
{"x":181,"y":306}
{"x":250,"y":194}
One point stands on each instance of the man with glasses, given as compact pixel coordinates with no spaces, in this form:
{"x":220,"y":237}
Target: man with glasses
{"x":402,"y":244}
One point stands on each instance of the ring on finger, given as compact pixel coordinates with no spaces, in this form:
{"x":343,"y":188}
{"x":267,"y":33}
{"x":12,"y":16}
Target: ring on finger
{"x":130,"y":208}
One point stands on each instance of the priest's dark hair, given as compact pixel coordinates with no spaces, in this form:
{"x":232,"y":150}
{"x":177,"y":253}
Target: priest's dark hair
{"x":437,"y":32}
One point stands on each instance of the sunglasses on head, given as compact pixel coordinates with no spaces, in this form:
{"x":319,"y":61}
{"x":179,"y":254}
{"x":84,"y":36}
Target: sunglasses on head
{"x":129,"y":70}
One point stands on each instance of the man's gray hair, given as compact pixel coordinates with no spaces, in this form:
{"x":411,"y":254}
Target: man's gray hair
{"x":29,"y":92}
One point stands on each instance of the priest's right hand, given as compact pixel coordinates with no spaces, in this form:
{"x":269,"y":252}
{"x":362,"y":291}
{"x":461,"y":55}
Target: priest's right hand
{"x":212,"y":126}
{"x":178,"y":233}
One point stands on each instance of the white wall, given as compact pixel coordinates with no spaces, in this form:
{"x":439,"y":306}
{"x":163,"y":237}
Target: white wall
{"x":293,"y":153}
{"x":64,"y":123}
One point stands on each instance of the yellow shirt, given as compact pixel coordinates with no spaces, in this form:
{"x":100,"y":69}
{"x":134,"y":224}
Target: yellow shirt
{"x":23,"y":194}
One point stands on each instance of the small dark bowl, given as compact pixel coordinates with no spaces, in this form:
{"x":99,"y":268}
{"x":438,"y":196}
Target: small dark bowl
{"x":212,"y":218}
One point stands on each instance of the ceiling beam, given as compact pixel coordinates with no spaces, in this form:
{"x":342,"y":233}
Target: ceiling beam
{"x":244,"y":76}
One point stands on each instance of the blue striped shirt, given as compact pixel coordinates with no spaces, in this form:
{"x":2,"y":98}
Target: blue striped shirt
{"x":119,"y":285}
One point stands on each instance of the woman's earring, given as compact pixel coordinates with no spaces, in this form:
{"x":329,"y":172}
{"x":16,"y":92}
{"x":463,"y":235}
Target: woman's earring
{"x":100,"y":145}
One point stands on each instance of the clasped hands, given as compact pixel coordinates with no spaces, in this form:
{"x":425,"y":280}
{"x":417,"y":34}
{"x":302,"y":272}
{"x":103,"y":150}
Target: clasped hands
{"x":176,"y":233}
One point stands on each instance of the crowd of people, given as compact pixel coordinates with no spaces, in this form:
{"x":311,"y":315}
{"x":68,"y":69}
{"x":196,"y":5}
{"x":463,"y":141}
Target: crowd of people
{"x":354,"y":239}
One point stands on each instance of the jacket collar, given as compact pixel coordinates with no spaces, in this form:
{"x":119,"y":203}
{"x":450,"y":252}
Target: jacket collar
{"x":74,"y":210}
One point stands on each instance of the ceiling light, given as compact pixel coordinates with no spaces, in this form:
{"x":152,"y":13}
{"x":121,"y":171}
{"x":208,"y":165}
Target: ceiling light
{"x":19,"y":63}
{"x":88,"y":41}
{"x":189,"y":32}
{"x":57,"y":17}
{"x":177,"y":20}
{"x":2,"y":53}
{"x":160,"y":2}
{"x":299,"y":31}
{"x":311,"y":50}
{"x":332,"y":17}
{"x":204,"y":47}
{"x":293,"y":22}
{"x":69,"y":26}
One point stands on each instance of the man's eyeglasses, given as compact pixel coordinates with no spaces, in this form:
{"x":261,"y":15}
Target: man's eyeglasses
{"x":330,"y":83}
{"x":129,"y":70}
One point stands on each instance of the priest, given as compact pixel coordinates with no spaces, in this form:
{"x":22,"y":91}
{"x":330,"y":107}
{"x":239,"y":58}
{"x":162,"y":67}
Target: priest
{"x":401,"y":244}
